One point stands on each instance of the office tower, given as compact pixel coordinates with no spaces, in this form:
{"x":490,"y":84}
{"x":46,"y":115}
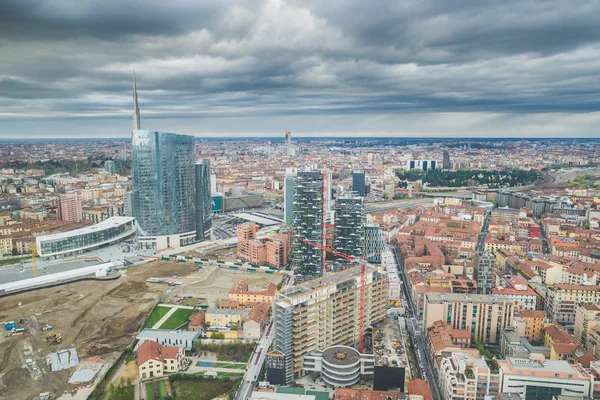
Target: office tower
{"x":213,"y":183}
{"x":136,"y":110}
{"x":70,"y":207}
{"x":128,"y":200}
{"x":203,"y":200}
{"x":109,"y":166}
{"x":288,"y":194}
{"x":359,"y":182}
{"x":425,"y":165}
{"x":308,"y":223}
{"x":374,"y":242}
{"x":328,"y":192}
{"x":484,"y":316}
{"x":485,"y":265}
{"x":289,"y":149}
{"x":446,"y":160}
{"x":321,"y":313}
{"x":349,"y":231}
{"x":164,"y":189}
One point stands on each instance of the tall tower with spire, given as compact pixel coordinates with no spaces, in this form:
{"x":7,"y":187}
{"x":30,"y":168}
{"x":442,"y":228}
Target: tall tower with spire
{"x":136,"y":110}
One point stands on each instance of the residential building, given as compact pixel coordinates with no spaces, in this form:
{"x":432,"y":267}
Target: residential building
{"x":421,"y":164}
{"x":155,"y":360}
{"x":515,"y":288}
{"x":562,"y":298}
{"x":241,"y":293}
{"x":256,"y":321}
{"x":110,"y":231}
{"x":485,"y":265}
{"x":374,"y":242}
{"x":468,"y":378}
{"x":288,"y":194}
{"x":197,"y":321}
{"x":110,"y":167}
{"x":321,"y":313}
{"x":446,"y":164}
{"x":69,"y":207}
{"x":586,"y":318}
{"x":308,"y":224}
{"x":359,"y":183}
{"x":534,"y":324}
{"x":203,"y":200}
{"x":349,"y":231}
{"x":224,"y":317}
{"x":563,"y":346}
{"x":483,"y":316}
{"x":164,"y":189}
{"x":538,"y":378}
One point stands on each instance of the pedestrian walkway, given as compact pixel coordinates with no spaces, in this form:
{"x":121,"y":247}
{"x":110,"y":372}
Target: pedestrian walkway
{"x":164,"y":318}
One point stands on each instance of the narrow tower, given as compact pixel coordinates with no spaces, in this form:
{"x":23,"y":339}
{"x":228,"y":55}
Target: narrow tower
{"x":136,"y":110}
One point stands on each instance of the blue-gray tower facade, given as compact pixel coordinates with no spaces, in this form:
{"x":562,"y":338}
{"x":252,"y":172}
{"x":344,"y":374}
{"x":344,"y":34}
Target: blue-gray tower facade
{"x":203,"y":201}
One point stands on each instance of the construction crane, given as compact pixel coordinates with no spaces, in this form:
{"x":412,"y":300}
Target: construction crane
{"x":33,"y":260}
{"x":362,"y":260}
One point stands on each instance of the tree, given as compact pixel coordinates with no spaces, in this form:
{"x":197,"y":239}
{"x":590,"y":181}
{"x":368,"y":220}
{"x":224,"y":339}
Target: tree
{"x":385,"y":195}
{"x":15,"y":252}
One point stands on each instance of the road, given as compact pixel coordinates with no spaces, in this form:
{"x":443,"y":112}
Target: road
{"x":388,"y":205}
{"x":417,"y":333}
{"x":484,"y":232}
{"x":255,"y":364}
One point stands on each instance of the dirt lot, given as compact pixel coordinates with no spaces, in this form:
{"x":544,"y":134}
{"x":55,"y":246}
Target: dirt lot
{"x":99,"y":319}
{"x":215,"y":283}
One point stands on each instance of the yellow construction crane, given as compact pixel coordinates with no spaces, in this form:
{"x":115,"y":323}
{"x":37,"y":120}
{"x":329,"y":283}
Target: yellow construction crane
{"x":33,"y":260}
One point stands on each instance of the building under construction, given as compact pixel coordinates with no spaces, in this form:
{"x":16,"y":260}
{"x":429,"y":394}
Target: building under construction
{"x":321,"y":313}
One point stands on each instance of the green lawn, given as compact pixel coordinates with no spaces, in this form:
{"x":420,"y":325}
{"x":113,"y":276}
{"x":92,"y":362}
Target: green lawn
{"x":229,"y":365}
{"x":8,"y":261}
{"x":156,"y":315}
{"x":178,"y":318}
{"x":149,"y":391}
{"x":162,"y":389}
{"x":202,"y":389}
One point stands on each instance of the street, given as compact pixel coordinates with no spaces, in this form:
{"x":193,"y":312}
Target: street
{"x":255,"y":364}
{"x":416,"y":333}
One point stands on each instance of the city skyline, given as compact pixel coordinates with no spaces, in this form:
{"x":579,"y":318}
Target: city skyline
{"x":261,"y":68}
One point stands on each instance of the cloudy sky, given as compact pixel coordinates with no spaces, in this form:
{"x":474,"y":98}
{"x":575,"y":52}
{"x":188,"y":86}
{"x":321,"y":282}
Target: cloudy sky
{"x":315,"y":67}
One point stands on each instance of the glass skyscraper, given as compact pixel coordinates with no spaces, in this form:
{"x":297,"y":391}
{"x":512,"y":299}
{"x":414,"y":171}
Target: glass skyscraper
{"x":359,"y":182}
{"x":203,"y":201}
{"x":164,"y":188}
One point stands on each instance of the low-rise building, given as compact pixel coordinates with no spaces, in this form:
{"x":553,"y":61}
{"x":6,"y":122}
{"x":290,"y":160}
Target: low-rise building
{"x":224,"y":317}
{"x":197,"y":321}
{"x":534,"y":324}
{"x":538,"y":378}
{"x":467,"y":378}
{"x":155,"y":360}
{"x":241,"y":293}
{"x":168,"y":337}
{"x":256,"y":321}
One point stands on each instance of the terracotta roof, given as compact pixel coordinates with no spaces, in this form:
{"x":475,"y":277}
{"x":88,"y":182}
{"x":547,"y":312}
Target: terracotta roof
{"x":259,"y":312}
{"x":420,"y":387}
{"x":151,"y":350}
{"x":357,"y":394}
{"x":532,"y":313}
{"x":197,"y":319}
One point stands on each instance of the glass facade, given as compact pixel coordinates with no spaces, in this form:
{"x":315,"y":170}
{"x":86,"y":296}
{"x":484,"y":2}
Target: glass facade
{"x":359,"y":182}
{"x":164,"y":184}
{"x":105,"y":232}
{"x":203,"y":201}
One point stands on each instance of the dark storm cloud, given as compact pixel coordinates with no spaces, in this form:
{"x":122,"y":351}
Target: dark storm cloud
{"x":261,"y":58}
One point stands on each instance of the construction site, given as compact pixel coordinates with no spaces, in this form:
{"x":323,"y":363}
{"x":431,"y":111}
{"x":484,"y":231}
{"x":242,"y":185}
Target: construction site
{"x":89,"y":323}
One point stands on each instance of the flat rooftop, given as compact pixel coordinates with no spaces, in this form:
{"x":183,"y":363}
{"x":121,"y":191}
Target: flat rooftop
{"x":106,"y":224}
{"x":341,"y":355}
{"x":256,"y":218}
{"x":465,"y":298}
{"x":337,"y":277}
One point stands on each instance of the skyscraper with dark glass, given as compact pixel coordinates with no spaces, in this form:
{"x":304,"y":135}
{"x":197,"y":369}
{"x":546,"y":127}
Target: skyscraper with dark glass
{"x":308,"y":223}
{"x":203,"y":201}
{"x":164,"y":189}
{"x":359,"y":184}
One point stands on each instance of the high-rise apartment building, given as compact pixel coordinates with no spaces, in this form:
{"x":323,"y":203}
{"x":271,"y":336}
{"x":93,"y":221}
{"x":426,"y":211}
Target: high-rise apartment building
{"x":359,"y":184}
{"x":485,"y":265}
{"x":288,"y":194}
{"x":463,"y":377}
{"x":109,"y":166}
{"x":374,"y":242}
{"x":70,"y":207}
{"x":203,"y":201}
{"x":562,"y":298}
{"x":164,"y":189}
{"x":485,"y":317}
{"x":425,"y":165}
{"x":587,"y":317}
{"x":320,"y":313}
{"x":446,"y":160}
{"x":308,"y":223}
{"x":349,"y":231}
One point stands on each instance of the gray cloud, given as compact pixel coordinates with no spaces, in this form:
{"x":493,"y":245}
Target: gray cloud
{"x":229,"y":61}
